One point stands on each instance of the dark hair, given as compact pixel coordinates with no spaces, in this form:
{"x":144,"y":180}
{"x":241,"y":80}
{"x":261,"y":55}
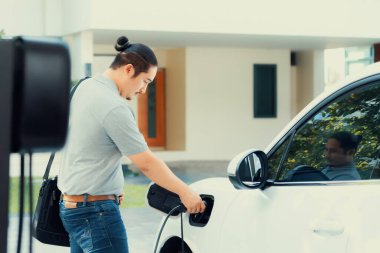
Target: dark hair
{"x":347,"y":140}
{"x":139,"y":55}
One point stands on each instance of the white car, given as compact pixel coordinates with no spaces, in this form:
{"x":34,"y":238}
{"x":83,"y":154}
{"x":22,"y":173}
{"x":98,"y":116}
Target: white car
{"x":283,"y":200}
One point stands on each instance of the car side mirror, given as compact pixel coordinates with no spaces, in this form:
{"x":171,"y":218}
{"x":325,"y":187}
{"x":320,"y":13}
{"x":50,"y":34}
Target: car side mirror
{"x":248,"y":170}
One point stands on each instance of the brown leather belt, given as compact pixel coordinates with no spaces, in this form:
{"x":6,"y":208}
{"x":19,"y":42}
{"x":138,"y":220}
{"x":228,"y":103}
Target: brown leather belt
{"x":90,"y":198}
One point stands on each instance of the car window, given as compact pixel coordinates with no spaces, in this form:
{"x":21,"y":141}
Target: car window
{"x":308,"y":155}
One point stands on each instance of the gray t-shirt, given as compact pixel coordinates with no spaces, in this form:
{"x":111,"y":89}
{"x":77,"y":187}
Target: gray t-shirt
{"x":346,"y":172}
{"x":102,"y":129}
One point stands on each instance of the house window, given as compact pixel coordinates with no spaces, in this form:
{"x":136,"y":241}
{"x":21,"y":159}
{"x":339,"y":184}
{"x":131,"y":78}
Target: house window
{"x":264,"y":90}
{"x":358,"y":57}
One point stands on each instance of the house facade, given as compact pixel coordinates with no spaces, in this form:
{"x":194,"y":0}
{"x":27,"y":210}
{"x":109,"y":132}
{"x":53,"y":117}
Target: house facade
{"x":210,"y":54}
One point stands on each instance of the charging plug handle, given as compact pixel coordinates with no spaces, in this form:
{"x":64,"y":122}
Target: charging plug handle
{"x":182,"y":209}
{"x":164,"y":200}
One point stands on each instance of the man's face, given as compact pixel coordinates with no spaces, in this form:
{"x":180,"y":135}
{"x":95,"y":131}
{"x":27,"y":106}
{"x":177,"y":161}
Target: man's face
{"x":134,"y":85}
{"x":336,"y":155}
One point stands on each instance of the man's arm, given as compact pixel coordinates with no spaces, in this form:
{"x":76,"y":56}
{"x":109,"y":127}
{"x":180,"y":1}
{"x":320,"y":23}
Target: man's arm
{"x":157,"y":171}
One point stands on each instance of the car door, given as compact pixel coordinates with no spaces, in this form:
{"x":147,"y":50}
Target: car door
{"x":311,"y":213}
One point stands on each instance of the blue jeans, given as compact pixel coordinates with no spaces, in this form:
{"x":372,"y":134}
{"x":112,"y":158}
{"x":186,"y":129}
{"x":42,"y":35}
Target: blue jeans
{"x":95,"y":227}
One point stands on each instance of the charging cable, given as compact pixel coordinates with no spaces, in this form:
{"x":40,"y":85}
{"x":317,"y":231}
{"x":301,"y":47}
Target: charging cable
{"x":180,"y":208}
{"x":182,"y":241}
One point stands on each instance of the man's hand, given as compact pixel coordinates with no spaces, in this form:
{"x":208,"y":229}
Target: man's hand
{"x":192,"y":201}
{"x":121,"y":197}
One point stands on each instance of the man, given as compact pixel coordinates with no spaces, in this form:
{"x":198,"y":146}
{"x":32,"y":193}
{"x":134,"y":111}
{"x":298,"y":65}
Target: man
{"x":103,"y":129}
{"x":339,"y":153}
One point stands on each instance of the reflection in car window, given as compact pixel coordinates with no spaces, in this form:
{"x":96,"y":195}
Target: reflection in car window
{"x":375,"y":173}
{"x":275,"y":160}
{"x":357,"y":113}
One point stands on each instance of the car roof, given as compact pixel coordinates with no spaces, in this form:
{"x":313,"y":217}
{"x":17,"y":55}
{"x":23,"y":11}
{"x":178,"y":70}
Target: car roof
{"x":370,"y":70}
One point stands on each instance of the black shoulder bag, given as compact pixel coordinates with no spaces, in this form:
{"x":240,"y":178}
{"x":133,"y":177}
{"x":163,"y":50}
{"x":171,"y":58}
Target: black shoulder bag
{"x":47,"y":224}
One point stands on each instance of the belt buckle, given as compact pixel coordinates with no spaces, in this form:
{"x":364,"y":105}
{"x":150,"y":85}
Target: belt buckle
{"x":70,"y":205}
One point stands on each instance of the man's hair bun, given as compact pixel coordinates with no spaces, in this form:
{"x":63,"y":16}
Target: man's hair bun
{"x":122,"y":44}
{"x":359,"y":138}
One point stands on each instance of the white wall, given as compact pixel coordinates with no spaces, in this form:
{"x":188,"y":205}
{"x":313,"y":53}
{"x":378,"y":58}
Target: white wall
{"x":76,"y":16}
{"x":351,"y":18}
{"x":219,"y":101}
{"x":321,"y":18}
{"x":338,"y":18}
{"x":22,"y":17}
{"x":31,"y":17}
{"x":53,"y":17}
{"x":334,"y":65}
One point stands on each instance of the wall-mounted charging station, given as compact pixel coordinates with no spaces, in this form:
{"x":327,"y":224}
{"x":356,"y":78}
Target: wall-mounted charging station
{"x":34,"y":104}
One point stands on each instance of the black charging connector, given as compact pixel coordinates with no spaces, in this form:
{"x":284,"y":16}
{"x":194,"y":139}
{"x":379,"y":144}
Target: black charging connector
{"x":164,"y":200}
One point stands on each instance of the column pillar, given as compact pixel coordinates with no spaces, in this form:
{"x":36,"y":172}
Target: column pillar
{"x":81,"y":47}
{"x":310,"y":76}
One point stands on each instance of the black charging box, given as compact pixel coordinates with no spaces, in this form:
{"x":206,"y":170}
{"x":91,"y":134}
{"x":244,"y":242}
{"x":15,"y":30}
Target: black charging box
{"x":35,"y":75}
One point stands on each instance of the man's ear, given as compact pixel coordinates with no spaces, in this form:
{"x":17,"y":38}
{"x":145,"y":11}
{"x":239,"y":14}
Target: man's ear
{"x":129,"y":70}
{"x":351,"y":151}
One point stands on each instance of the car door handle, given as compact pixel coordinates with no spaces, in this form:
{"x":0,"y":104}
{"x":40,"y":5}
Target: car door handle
{"x":328,"y":228}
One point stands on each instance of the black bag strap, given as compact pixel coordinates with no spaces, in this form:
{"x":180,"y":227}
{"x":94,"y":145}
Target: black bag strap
{"x":48,"y":167}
